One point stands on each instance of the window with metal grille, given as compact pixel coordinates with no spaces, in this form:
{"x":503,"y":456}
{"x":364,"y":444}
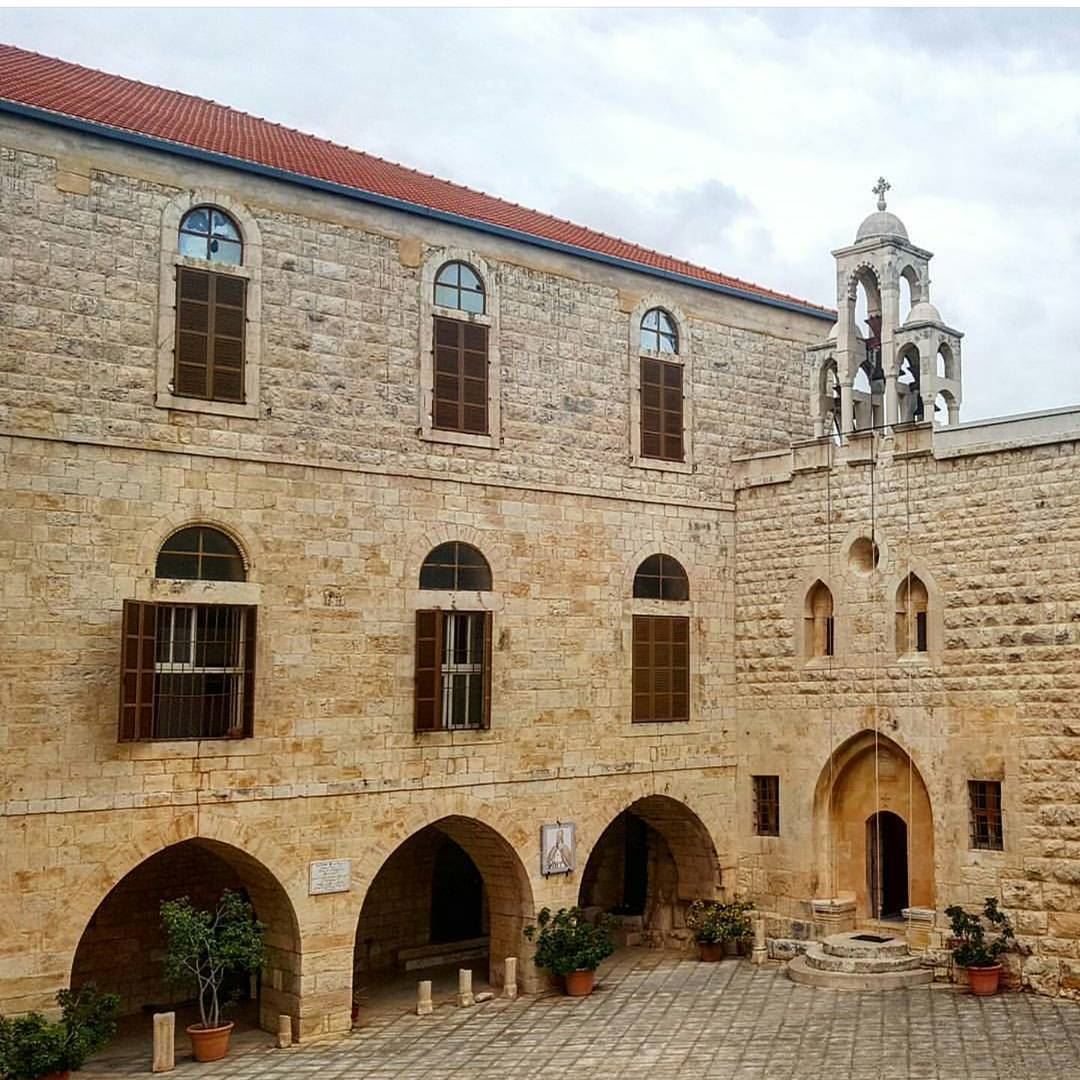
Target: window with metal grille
{"x":460,"y":399}
{"x":660,"y":577}
{"x":210,"y":326}
{"x":187,"y":671}
{"x":986,"y":824}
{"x":658,"y":333}
{"x":455,"y":565}
{"x":453,"y":670}
{"x":200,"y":553}
{"x":766,"y":805}
{"x":661,"y":409}
{"x":661,"y":668}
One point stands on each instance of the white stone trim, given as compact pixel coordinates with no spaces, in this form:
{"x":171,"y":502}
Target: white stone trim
{"x":250,"y":270}
{"x":428,"y":310}
{"x":683,"y":357}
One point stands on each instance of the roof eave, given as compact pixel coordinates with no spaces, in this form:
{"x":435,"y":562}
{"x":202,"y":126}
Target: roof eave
{"x":151,"y":142}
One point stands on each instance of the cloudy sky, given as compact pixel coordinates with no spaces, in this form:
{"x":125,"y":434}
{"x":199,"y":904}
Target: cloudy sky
{"x":744,"y":140}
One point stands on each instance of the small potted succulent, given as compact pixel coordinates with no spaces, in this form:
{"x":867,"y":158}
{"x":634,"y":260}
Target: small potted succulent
{"x":202,"y":948}
{"x":569,"y":946}
{"x":715,"y":925}
{"x":972,"y":950}
{"x":33,"y":1048}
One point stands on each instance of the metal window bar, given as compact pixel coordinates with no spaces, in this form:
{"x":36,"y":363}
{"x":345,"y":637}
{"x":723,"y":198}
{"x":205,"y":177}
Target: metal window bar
{"x":767,"y":805}
{"x":199,"y":672}
{"x":463,"y":670}
{"x":986,"y":824}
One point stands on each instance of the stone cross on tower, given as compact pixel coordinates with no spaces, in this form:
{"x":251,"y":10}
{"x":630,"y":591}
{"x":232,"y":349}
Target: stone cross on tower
{"x":879,"y":190}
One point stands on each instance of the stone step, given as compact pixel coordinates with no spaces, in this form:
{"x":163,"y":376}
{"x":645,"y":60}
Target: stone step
{"x":817,"y":957}
{"x":800,"y":971}
{"x":857,"y":944}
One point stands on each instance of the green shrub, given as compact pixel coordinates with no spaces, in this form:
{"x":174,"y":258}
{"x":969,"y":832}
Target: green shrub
{"x":973,"y":950}
{"x":31,"y":1046}
{"x":567,"y":942}
{"x":202,"y":947}
{"x":712,"y":921}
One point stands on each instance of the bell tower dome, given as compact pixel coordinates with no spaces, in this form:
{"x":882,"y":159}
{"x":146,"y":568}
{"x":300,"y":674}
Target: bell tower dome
{"x":886,"y":372}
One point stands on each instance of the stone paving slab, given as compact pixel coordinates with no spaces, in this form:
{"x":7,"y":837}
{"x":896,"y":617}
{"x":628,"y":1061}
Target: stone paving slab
{"x":656,"y":1016}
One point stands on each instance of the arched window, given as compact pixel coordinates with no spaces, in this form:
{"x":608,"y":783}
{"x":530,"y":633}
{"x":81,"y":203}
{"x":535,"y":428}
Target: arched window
{"x":200,"y":553}
{"x":458,"y":286}
{"x":660,"y":577}
{"x":456,"y":566}
{"x":209,"y":233}
{"x":912,"y":604}
{"x":658,"y":332}
{"x":453,"y":648}
{"x":818,"y":633}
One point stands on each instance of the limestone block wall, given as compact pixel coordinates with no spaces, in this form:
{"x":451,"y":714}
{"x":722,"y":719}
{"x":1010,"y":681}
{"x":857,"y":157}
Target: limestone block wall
{"x":993,"y":537}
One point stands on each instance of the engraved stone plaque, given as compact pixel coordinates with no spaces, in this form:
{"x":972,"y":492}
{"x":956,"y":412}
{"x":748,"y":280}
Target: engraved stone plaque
{"x":329,"y":876}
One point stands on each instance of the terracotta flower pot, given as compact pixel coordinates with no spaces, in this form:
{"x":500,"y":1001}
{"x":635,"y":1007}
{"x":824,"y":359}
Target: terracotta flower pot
{"x":580,"y":983}
{"x":984,"y":980}
{"x":209,"y":1044}
{"x":711,"y":951}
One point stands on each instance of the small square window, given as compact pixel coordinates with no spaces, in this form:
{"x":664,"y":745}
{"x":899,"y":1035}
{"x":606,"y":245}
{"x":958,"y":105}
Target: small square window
{"x":987,"y":833}
{"x":767,"y":805}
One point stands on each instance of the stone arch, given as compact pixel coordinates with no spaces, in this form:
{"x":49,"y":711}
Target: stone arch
{"x":623,"y":579}
{"x":394,"y":924}
{"x":665,"y":304}
{"x":121,"y":940}
{"x":487,"y":543}
{"x":867,"y":774}
{"x":916,"y":286}
{"x":151,"y":540}
{"x":659,"y":848}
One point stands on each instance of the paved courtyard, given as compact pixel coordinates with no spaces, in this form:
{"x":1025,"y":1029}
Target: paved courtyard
{"x":659,"y":1016}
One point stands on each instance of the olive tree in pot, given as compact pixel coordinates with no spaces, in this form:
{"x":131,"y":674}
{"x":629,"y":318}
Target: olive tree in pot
{"x":202,"y":948}
{"x":569,"y":946}
{"x":715,"y":925}
{"x":34,"y":1048}
{"x":973,"y":951}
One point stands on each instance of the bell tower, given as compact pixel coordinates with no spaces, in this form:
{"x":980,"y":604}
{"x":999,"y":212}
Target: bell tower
{"x":884,"y":372}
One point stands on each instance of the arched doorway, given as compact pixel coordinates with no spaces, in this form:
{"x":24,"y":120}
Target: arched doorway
{"x":874,"y":828}
{"x":886,"y":864}
{"x":651,"y":861}
{"x":453,"y":895}
{"x":122,"y":945}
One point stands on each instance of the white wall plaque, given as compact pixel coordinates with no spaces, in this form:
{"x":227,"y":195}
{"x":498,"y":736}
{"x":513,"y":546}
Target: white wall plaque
{"x":329,"y":876}
{"x":557,"y":848}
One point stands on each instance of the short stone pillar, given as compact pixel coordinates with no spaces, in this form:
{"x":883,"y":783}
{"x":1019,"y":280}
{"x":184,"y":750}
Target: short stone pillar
{"x":284,"y":1031}
{"x":920,"y":922}
{"x":465,"y":994}
{"x":424,"y":1006}
{"x":164,"y":1042}
{"x":760,"y":951}
{"x":510,"y":977}
{"x":835,"y":914}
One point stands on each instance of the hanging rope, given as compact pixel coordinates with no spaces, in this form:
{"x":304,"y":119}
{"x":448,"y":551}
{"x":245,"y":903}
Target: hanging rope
{"x":908,"y":680}
{"x":878,"y":868}
{"x":831,"y":846}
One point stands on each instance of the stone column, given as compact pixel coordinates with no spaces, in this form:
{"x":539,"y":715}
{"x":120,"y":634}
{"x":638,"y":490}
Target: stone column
{"x":423,"y":998}
{"x":164,"y":1042}
{"x":465,"y":994}
{"x":510,"y":977}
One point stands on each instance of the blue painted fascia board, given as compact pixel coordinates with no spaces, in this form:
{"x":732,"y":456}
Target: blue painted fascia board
{"x":212,"y":157}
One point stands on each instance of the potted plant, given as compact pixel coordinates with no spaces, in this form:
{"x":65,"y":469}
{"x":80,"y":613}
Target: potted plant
{"x":569,"y":946}
{"x":33,"y":1048}
{"x":973,"y":951}
{"x":715,"y":925}
{"x":202,"y":948}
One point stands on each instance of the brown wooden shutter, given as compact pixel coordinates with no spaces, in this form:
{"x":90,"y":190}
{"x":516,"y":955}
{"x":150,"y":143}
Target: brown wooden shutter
{"x":138,"y":642}
{"x":249,"y":615}
{"x":427,"y":714}
{"x":660,"y":674}
{"x":661,"y":410}
{"x":210,"y":327}
{"x":460,"y":393}
{"x":485,"y":716}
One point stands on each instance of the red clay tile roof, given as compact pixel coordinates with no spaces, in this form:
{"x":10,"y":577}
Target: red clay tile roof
{"x":57,"y":86}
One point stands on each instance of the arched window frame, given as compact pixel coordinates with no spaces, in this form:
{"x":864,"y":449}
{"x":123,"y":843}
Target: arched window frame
{"x":249,"y":271}
{"x":209,"y":556}
{"x":489,"y":318}
{"x":441,"y":616}
{"x":819,"y":627}
{"x":934,"y":616}
{"x":683,"y":358}
{"x":832,"y":579}
{"x":651,"y":622}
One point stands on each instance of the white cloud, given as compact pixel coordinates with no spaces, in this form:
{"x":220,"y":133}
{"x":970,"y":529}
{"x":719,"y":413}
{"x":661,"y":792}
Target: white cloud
{"x":745,"y":140}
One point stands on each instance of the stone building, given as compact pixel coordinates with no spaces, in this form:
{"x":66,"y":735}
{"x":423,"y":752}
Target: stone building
{"x":358,"y":525}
